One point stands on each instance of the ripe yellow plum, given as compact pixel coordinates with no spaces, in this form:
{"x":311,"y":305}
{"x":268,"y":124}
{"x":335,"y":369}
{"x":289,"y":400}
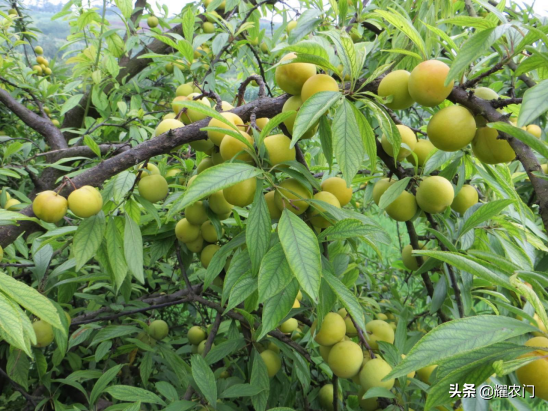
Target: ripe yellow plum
{"x":351,"y":330}
{"x":167,"y":125}
{"x":273,"y":362}
{"x":277,"y":147}
{"x":262,"y":122}
{"x":207,"y":254}
{"x":287,"y":327}
{"x":409,"y":261}
{"x":423,"y":149}
{"x":186,"y":232}
{"x":204,"y":165}
{"x":290,"y":194}
{"x":218,"y":203}
{"x":192,"y":115}
{"x":345,"y":359}
{"x":332,"y":330}
{"x":273,"y":209}
{"x":153,"y":188}
{"x":536,"y":372}
{"x":408,"y":137}
{"x":402,"y":208}
{"x":466,"y":198}
{"x":294,"y":103}
{"x":241,"y":194}
{"x":435,"y":194}
{"x":216,"y":136}
{"x":150,"y":169}
{"x":318,"y":83}
{"x":325,"y":397}
{"x":316,"y":218}
{"x":291,"y":77}
{"x":196,"y":213}
{"x":226,"y":106}
{"x":425,"y":373}
{"x":196,"y":335}
{"x":232,"y":147}
{"x":378,"y":330}
{"x":373,"y":372}
{"x":396,"y":84}
{"x":337,"y":186}
{"x":380,"y":187}
{"x":44,"y":333}
{"x":158,"y":329}
{"x":290,"y":26}
{"x":426,"y":83}
{"x":534,"y":130}
{"x":185,"y":89}
{"x":489,"y":149}
{"x":85,"y":201}
{"x":11,"y":203}
{"x":49,"y":206}
{"x":452,"y":128}
{"x":39,"y":50}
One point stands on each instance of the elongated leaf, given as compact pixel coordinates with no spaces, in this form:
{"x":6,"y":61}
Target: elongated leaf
{"x":31,"y":300}
{"x":115,"y":253}
{"x":484,"y":213}
{"x":302,"y":251}
{"x":368,"y":137}
{"x":212,"y":180}
{"x":405,"y":26}
{"x":460,"y":336}
{"x":130,"y":393}
{"x":223,"y":350}
{"x":241,"y":390}
{"x":244,"y":287}
{"x":326,"y":140}
{"x":11,"y":325}
{"x":393,"y":192}
{"x":345,"y":229}
{"x":463,"y":262}
{"x":133,"y":249}
{"x":347,"y":141}
{"x":259,"y":376}
{"x":88,"y":238}
{"x":274,"y":122}
{"x":71,"y":103}
{"x":103,"y":382}
{"x":204,"y":378}
{"x":274,"y":274}
{"x":219,"y":259}
{"x":258,"y":229}
{"x":276,"y":308}
{"x":346,"y":297}
{"x":311,"y":111}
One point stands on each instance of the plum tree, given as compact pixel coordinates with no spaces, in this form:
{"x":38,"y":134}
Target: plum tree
{"x":241,"y":194}
{"x":345,"y":359}
{"x":396,"y":84}
{"x":85,"y":201}
{"x":451,"y":128}
{"x":50,"y":206}
{"x":427,"y":83}
{"x":290,"y":77}
{"x":435,"y":194}
{"x":316,"y":84}
{"x":466,"y":198}
{"x":153,"y":188}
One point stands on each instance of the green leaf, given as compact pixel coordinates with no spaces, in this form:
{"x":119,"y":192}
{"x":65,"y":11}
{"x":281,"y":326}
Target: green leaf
{"x":219,"y":259}
{"x":534,"y":104}
{"x":125,"y":7}
{"x":241,"y":390}
{"x":405,"y":26}
{"x":71,"y":103}
{"x":464,"y":263}
{"x":239,"y":266}
{"x":276,"y":308}
{"x":133,"y":249}
{"x":212,"y":180}
{"x":244,"y":287}
{"x":88,"y":238}
{"x":114,"y":331}
{"x":311,"y":111}
{"x":346,"y":297}
{"x":378,"y":392}
{"x":347,"y":141}
{"x":532,"y":298}
{"x":204,"y":379}
{"x":457,"y":337}
{"x":326,"y":140}
{"x":484,"y":213}
{"x":302,"y":251}
{"x":368,"y":137}
{"x":115,"y":253}
{"x":103,"y":382}
{"x":258,"y":229}
{"x":167,"y":390}
{"x":31,"y":300}
{"x":259,"y":376}
{"x":307,"y":47}
{"x":188,"y":24}
{"x":17,"y":368}
{"x":466,"y":21}
{"x":274,"y":274}
{"x":393,"y":192}
{"x":535,"y":143}
{"x":129,"y":393}
{"x":345,"y":229}
{"x":11,"y":325}
{"x":224,"y":349}
{"x":273,"y":123}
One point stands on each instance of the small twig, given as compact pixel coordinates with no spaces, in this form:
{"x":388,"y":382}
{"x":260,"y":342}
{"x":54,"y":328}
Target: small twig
{"x":335,"y":383}
{"x":362,"y":339}
{"x":472,"y":82}
{"x":261,"y":68}
{"x":19,"y":388}
{"x":241,"y":90}
{"x":500,"y":103}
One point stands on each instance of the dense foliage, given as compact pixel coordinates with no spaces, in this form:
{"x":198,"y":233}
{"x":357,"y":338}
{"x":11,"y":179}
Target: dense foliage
{"x":250,"y":205}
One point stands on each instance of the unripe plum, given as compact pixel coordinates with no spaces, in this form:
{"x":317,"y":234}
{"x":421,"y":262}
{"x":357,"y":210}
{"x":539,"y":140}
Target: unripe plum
{"x":408,"y":137}
{"x":50,"y":206}
{"x":345,"y":359}
{"x":273,"y":362}
{"x":332,"y":330}
{"x":324,"y":351}
{"x":294,"y":103}
{"x":325,"y":397}
{"x":291,"y":77}
{"x":186,"y":232}
{"x":396,"y":84}
{"x":208,"y":27}
{"x":378,"y":330}
{"x":185,"y":89}
{"x":176,"y":174}
{"x":369,"y":404}
{"x":337,"y":186}
{"x":536,"y":372}
{"x":287,"y":327}
{"x":216,"y":136}
{"x":218,"y":203}
{"x":489,"y":149}
{"x":241,"y":194}
{"x":204,"y":165}
{"x":196,"y":335}
{"x":409,"y":261}
{"x":202,"y":145}
{"x":158,"y":329}
{"x":435,"y":194}
{"x":316,"y":218}
{"x":318,"y":83}
{"x":273,"y":209}
{"x":44,"y":333}
{"x":422,"y":150}
{"x":290,"y":26}
{"x":426,"y":83}
{"x":85,"y":201}
{"x":197,"y":245}
{"x":150,"y":169}
{"x":1,"y":253}
{"x":373,"y":372}
{"x":452,"y":128}
{"x":380,"y":187}
{"x":277,"y":147}
{"x":39,"y":50}
{"x":167,"y":125}
{"x":201,"y":347}
{"x":466,"y":198}
{"x":209,"y":233}
{"x":232,"y":147}
{"x":196,"y":213}
{"x":207,"y":254}
{"x":152,"y":22}
{"x":486,"y":93}
{"x":402,"y":208}
{"x":153,"y":188}
{"x":291,"y":190}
